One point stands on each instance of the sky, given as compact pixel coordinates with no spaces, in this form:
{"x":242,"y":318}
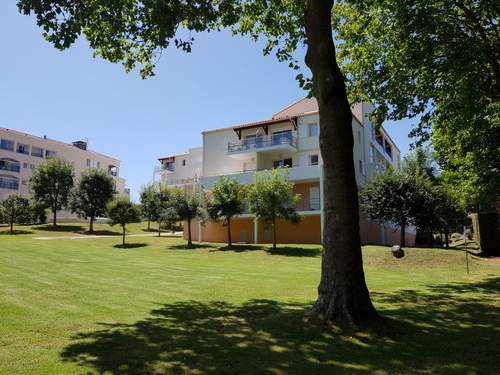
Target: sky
{"x":71,"y":95}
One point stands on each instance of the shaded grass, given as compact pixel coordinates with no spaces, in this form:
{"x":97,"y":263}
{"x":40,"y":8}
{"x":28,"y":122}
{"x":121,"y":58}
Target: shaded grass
{"x":81,"y":306}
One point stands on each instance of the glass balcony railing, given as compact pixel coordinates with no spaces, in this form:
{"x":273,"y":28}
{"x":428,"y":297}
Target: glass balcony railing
{"x":262,"y":142}
{"x":10,"y":166}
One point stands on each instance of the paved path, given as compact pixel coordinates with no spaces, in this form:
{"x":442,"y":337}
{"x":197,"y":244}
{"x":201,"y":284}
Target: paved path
{"x":89,"y":236}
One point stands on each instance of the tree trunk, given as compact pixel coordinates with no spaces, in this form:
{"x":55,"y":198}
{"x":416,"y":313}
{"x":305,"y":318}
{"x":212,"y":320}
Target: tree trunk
{"x":446,"y":239}
{"x":229,"y":240}
{"x":274,"y":234}
{"x":91,"y":226}
{"x":54,"y":217}
{"x":149,"y":224}
{"x":123,"y":235}
{"x":402,"y":237}
{"x":159,"y":228}
{"x":190,"y":242}
{"x":11,"y":226}
{"x":342,"y":293}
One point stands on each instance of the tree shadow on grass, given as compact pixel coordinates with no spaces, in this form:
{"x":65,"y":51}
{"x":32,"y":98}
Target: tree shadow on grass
{"x":16,"y":232}
{"x":281,"y":250}
{"x":103,"y":233}
{"x":61,"y":228}
{"x":441,"y":330}
{"x":130,"y":245}
{"x":193,"y":247}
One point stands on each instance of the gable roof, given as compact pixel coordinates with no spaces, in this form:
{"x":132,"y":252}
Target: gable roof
{"x":300,"y":107}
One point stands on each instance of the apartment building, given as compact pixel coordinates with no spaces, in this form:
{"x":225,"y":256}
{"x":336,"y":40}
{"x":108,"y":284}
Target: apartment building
{"x":290,"y":138}
{"x":20,"y":153}
{"x":181,"y":170}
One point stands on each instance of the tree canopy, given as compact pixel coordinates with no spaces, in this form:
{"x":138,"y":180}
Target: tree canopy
{"x":15,"y":209}
{"x":51,"y":184}
{"x":122,"y":212}
{"x":93,"y":191}
{"x":438,"y":61}
{"x":188,"y":206}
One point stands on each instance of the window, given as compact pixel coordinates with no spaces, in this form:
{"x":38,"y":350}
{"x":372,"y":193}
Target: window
{"x":37,"y":151}
{"x":10,"y":165}
{"x":169,"y":166}
{"x":6,"y":144}
{"x":283,"y":163}
{"x":312,"y":130}
{"x":313,"y":159}
{"x":25,"y":165}
{"x":253,"y":141}
{"x":183,"y":162}
{"x":32,"y":166}
{"x":314,"y":200}
{"x":9,"y":182}
{"x":23,"y":148}
{"x":50,"y":154}
{"x":98,"y":164}
{"x":88,"y":162}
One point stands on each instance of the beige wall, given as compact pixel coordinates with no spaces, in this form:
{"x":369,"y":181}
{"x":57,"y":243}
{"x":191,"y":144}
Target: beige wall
{"x":80,"y":159}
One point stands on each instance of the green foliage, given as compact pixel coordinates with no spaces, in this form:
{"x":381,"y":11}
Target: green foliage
{"x":15,"y":210}
{"x":38,"y":212}
{"x":51,"y":184}
{"x":188,"y":206}
{"x":271,"y":197}
{"x":122,"y":212}
{"x":168,"y":218}
{"x":93,"y":191}
{"x":399,"y":198}
{"x":149,"y":197}
{"x":225,"y":202}
{"x":439,"y":61}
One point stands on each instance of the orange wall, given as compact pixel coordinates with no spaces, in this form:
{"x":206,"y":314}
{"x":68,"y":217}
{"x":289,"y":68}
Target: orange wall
{"x":241,"y":231}
{"x":303,"y":190}
{"x":307,"y":231}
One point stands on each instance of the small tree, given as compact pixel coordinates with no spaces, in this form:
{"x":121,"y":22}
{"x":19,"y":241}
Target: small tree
{"x":93,"y":191}
{"x":38,"y":212}
{"x":122,"y":212}
{"x":149,"y":203}
{"x":225,"y":202}
{"x":187,"y":205}
{"x":51,"y":184}
{"x":449,"y":214}
{"x":271,"y":197}
{"x":15,"y":210}
{"x":399,"y":198}
{"x":168,"y":218}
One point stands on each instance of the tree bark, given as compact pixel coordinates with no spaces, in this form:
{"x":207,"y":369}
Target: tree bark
{"x":190,"y":242}
{"x":91,"y":226}
{"x":11,"y":225}
{"x":402,"y":237}
{"x":149,"y":224}
{"x":54,"y":217}
{"x":123,"y":235}
{"x":274,"y":234}
{"x":342,"y":293}
{"x":229,"y":240}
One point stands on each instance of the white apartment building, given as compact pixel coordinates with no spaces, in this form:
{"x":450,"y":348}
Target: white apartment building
{"x":181,"y":170}
{"x":290,"y":138}
{"x":20,"y":153}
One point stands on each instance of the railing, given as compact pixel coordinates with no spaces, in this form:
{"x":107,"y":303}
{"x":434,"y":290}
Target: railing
{"x":261,"y":142}
{"x":159,"y":169}
{"x":310,"y":204}
{"x":9,"y":184}
{"x":10,"y":166}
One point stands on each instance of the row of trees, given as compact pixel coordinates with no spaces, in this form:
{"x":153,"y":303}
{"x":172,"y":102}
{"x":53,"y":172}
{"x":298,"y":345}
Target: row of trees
{"x":414,"y":195}
{"x":54,"y":187}
{"x":270,"y":198}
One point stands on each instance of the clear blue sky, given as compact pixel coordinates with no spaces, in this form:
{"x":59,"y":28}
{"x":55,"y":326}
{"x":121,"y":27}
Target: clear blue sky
{"x":70,"y":95}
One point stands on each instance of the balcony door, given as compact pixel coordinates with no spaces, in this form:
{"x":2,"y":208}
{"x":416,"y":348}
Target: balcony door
{"x":253,"y":141}
{"x":282,"y":163}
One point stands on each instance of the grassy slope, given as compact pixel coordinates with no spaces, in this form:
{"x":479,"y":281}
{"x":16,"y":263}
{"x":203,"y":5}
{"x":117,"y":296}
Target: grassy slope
{"x":85,"y":306}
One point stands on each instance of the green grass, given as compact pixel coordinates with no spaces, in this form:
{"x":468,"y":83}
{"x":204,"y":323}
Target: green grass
{"x":86,"y":306}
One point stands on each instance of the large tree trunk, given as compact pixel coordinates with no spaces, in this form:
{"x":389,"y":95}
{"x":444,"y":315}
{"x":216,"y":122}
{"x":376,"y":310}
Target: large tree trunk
{"x":342,"y":293}
{"x":190,"y":242}
{"x":229,"y":240}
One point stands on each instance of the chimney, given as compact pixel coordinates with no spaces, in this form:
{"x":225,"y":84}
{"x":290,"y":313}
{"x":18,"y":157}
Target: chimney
{"x":82,"y":145}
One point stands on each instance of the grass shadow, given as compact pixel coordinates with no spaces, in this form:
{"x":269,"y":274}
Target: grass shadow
{"x":130,"y":246}
{"x":437,"y":331}
{"x":61,"y":228}
{"x":193,"y":247}
{"x":15,"y":232}
{"x":102,"y":233}
{"x":281,"y":250}
{"x":152,"y":230}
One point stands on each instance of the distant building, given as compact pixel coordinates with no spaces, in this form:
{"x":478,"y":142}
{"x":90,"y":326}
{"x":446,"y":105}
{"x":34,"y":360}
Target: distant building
{"x":290,"y":138}
{"x":20,"y":153}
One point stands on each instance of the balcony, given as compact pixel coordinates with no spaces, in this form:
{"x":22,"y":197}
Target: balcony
{"x":275,"y":142}
{"x":10,"y":165}
{"x":299,"y":173}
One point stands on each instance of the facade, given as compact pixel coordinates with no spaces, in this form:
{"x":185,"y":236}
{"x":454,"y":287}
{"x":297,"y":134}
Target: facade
{"x":20,"y":153}
{"x":291,"y":139}
{"x":182,"y":170}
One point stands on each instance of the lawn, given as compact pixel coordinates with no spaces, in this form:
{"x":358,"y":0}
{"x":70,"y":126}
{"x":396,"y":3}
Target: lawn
{"x":85,"y":306}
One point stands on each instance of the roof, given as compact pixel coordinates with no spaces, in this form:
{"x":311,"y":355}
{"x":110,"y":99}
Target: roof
{"x":300,"y":107}
{"x":45,"y":139}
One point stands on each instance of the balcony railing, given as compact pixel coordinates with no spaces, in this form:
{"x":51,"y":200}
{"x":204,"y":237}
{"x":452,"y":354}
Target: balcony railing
{"x":262,"y":142}
{"x":10,"y":166}
{"x":9,"y":184}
